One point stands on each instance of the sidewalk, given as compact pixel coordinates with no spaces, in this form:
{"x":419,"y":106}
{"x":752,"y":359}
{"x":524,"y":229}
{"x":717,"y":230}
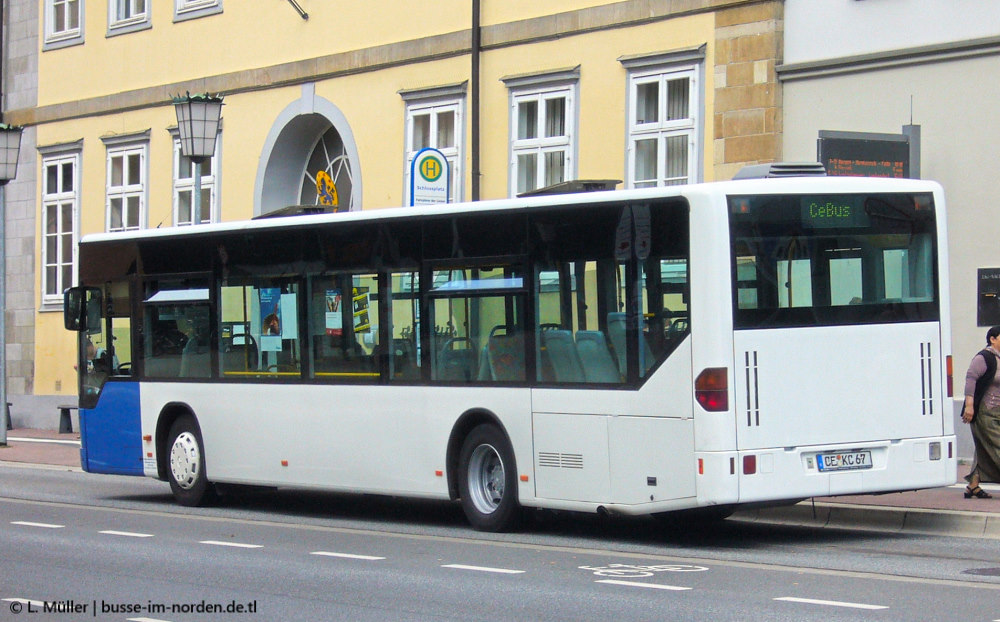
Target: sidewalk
{"x":934,"y":511}
{"x":41,"y":447}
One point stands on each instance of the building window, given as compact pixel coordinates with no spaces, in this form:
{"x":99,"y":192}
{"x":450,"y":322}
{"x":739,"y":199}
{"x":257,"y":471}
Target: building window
{"x":435,"y":118}
{"x":663,"y":126}
{"x":63,"y":23}
{"x":193,"y":9}
{"x":542,"y":129}
{"x":128,"y":16}
{"x":542,"y":141}
{"x":60,"y":206}
{"x":184,"y":208}
{"x":126,"y":187}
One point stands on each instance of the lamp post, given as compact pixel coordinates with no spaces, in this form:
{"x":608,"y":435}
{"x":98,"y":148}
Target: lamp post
{"x":198,"y":119}
{"x":10,"y":147}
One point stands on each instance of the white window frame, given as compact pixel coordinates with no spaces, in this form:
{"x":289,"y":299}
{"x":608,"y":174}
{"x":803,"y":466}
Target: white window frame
{"x":60,"y":200}
{"x":193,"y":9}
{"x":55,"y":39}
{"x":434,"y":102}
{"x":135,"y":20}
{"x":126,"y":191}
{"x":661,"y":68}
{"x":542,"y":88}
{"x":209,"y":181}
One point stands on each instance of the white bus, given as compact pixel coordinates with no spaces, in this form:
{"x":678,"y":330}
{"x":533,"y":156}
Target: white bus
{"x":635,"y":352}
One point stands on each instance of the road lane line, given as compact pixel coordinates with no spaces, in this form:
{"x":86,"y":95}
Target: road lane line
{"x":347,"y":555}
{"x":654,"y":586}
{"x":128,"y":534}
{"x":830,"y":603}
{"x":236,"y":545}
{"x":482,"y":569}
{"x":30,"y":524}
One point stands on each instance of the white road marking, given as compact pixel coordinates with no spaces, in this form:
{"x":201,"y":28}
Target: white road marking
{"x":236,"y":545}
{"x":483,"y":569}
{"x":830,"y":603}
{"x":654,"y":586}
{"x":128,"y":534}
{"x":30,"y":524}
{"x":347,"y":555}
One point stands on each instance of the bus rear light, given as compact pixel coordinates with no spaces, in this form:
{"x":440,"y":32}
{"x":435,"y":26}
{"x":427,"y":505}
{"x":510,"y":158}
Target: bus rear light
{"x":701,"y":466}
{"x":950,"y":455}
{"x":749,"y":465}
{"x":951,"y":375}
{"x":711,"y":389}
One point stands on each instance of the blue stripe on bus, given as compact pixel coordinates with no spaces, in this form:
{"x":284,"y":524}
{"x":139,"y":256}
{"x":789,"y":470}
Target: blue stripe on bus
{"x":110,"y":433}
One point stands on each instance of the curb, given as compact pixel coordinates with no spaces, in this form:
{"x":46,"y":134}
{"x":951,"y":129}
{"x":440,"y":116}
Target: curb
{"x":879,"y":518}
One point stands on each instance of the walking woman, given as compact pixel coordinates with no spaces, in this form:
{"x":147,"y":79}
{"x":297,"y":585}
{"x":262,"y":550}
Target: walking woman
{"x":982,"y":412}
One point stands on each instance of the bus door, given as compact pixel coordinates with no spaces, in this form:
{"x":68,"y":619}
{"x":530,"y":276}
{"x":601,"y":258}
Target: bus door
{"x":109,"y":397}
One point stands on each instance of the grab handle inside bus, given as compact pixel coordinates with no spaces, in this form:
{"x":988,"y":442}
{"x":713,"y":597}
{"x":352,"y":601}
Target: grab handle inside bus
{"x":82,"y":308}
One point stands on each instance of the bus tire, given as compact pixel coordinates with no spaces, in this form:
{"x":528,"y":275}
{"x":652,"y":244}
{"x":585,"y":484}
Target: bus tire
{"x":186,"y":464}
{"x":487,"y":480}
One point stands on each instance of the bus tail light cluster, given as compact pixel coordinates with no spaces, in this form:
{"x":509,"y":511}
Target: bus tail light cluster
{"x":711,"y":389}
{"x":951,"y":376}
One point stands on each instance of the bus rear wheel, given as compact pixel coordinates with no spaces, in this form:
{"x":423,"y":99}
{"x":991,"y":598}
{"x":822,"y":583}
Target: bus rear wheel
{"x":186,"y":464}
{"x":487,"y":480}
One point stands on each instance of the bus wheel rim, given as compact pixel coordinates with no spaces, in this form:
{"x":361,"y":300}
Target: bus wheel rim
{"x":486,"y":479}
{"x":185,"y":460}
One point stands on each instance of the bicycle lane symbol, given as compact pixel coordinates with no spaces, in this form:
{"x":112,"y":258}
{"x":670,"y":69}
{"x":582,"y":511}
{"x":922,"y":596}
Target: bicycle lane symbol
{"x":634,"y":571}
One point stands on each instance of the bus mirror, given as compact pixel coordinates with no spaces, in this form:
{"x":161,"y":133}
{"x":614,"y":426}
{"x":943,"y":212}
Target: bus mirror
{"x":82,"y":309}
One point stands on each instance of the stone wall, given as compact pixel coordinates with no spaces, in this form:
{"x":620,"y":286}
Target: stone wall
{"x":748,"y":45}
{"x":20,"y":90}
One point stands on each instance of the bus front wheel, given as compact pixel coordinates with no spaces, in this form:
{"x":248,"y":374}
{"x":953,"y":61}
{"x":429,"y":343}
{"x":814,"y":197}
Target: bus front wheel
{"x":186,"y":466}
{"x":487,"y":480}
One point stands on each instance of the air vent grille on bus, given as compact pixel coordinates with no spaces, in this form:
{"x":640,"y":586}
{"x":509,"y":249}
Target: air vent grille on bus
{"x":560,"y":461}
{"x":781,"y":169}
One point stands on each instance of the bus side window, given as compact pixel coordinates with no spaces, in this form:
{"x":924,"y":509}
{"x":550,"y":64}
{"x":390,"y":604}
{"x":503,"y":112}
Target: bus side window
{"x":343,"y":327}
{"x":573,"y":344}
{"x":259,"y":331}
{"x":404,"y":326}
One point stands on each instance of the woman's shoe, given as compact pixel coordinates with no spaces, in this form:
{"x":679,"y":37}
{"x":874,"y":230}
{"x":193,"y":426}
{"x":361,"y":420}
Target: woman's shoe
{"x":977,"y":492}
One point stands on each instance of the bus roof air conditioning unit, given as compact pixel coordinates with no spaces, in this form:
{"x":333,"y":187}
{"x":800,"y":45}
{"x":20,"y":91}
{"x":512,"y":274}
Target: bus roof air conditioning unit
{"x":781,"y":169}
{"x":573,"y":186}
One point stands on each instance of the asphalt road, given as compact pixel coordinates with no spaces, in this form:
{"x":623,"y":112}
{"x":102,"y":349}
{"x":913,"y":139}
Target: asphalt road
{"x":75,"y":546}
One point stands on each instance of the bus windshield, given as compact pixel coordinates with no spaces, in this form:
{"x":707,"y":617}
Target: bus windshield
{"x":821,"y":260}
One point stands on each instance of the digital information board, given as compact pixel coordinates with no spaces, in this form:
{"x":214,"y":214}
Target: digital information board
{"x":857,"y":154}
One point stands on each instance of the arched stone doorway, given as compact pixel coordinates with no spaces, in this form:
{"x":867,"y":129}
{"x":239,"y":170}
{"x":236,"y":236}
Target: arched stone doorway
{"x":309,"y":158}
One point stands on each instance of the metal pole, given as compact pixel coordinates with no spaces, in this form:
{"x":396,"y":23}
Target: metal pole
{"x":196,"y":199}
{"x":3,"y":315}
{"x":474,"y":121}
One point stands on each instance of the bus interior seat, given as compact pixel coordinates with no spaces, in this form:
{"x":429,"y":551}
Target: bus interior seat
{"x":616,"y":331}
{"x":504,"y":356}
{"x":561,"y":357}
{"x":458,"y":360}
{"x":598,"y":363}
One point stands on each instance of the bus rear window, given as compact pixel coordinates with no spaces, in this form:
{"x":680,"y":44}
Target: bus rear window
{"x":820,"y":260}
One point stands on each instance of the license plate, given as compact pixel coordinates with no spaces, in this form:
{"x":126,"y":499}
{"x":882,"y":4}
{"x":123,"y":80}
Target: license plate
{"x":844,"y":461}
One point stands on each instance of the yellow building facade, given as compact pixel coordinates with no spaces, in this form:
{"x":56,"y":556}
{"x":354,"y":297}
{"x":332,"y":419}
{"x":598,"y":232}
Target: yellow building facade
{"x":650,"y":92}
